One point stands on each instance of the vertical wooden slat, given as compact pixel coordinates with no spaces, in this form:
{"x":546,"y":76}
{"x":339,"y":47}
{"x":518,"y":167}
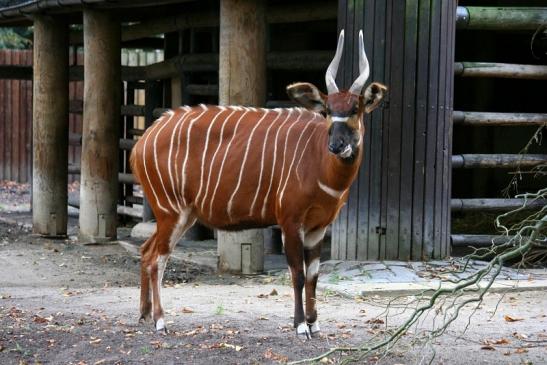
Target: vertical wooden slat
{"x":440,"y":140}
{"x":364,"y":182}
{"x":8,"y":97}
{"x":352,"y":73}
{"x":422,"y":76}
{"x":395,"y":130}
{"x":2,"y":119}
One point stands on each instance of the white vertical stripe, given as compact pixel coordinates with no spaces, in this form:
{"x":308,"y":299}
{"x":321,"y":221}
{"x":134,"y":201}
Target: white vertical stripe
{"x":308,"y":124}
{"x":265,"y":201}
{"x":284,"y":154}
{"x":179,"y":127}
{"x":245,"y":155}
{"x":171,"y":115}
{"x":149,"y":132}
{"x":205,"y":152}
{"x":187,"y":152}
{"x":259,"y":185}
{"x":220,"y":141}
{"x":169,"y":161}
{"x":222,"y":164}
{"x":302,"y":155}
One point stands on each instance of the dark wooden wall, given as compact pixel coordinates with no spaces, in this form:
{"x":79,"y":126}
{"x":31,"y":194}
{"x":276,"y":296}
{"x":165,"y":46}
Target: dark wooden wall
{"x":399,"y":208}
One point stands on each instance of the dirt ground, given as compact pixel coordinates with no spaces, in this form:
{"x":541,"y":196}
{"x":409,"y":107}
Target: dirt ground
{"x":64,"y":303}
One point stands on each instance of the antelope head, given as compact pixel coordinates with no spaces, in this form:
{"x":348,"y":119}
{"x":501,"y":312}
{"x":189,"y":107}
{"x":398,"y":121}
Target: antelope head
{"x":343,"y":109}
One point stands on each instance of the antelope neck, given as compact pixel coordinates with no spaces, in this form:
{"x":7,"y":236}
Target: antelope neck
{"x":336,"y":173}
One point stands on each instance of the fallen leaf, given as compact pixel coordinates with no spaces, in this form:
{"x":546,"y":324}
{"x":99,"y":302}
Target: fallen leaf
{"x":521,"y":351}
{"x":273,"y":292}
{"x":187,"y":310}
{"x":270,"y":355}
{"x":512,"y":319}
{"x":487,"y":347}
{"x":95,"y":342}
{"x":507,"y":353}
{"x":502,"y":341}
{"x":375,"y":321}
{"x":262,"y":318}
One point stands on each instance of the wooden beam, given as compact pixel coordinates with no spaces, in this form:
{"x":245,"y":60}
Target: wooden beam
{"x":122,"y":177}
{"x":102,"y":100}
{"x":498,"y":119}
{"x":501,"y":70}
{"x":478,"y":240}
{"x":501,"y":18}
{"x":50,"y":127}
{"x":290,"y":13}
{"x":493,"y":205}
{"x":506,"y":161}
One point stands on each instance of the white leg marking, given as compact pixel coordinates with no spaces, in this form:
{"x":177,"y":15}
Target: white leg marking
{"x":150,"y":131}
{"x":259,"y":185}
{"x":314,"y":327}
{"x":220,"y":141}
{"x":245,"y":155}
{"x":302,"y":155}
{"x":313,"y":270}
{"x":222,"y":164}
{"x":336,"y":194}
{"x":187,"y":152}
{"x":265,"y":202}
{"x":314,"y":237}
{"x":205,"y":152}
{"x":309,"y":123}
{"x":303,"y":330}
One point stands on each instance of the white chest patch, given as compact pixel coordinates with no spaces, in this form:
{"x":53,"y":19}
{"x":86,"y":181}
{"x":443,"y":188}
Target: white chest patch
{"x":336,"y":194}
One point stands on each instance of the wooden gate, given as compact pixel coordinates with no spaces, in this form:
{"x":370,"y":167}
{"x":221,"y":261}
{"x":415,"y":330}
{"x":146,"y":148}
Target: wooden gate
{"x":399,"y":207}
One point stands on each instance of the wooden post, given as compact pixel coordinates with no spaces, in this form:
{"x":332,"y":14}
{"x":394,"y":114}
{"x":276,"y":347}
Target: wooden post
{"x":242,"y":81}
{"x":50,"y":127}
{"x":100,"y":135}
{"x":501,"y":18}
{"x":242,"y":54}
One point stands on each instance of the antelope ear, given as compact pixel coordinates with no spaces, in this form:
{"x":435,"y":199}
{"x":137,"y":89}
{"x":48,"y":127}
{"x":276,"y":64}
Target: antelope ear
{"x":373,"y":95}
{"x":308,"y":96}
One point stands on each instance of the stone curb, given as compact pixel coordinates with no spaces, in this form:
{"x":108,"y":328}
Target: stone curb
{"x":394,"y":289}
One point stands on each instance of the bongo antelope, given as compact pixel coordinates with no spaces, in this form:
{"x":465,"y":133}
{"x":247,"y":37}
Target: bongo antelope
{"x":235,"y":167}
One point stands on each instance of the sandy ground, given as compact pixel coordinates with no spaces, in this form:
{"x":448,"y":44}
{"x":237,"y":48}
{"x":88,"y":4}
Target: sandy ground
{"x":63,"y":303}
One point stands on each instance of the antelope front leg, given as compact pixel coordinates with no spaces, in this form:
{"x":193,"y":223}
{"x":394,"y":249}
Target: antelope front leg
{"x":312,"y":257}
{"x":295,"y":258}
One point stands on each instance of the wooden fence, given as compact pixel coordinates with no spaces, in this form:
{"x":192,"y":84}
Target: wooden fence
{"x":15,"y":120}
{"x":16,"y":111}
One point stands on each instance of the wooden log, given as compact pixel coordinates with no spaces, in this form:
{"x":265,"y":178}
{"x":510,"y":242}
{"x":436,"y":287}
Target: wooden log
{"x":100,"y":135}
{"x":77,"y":107}
{"x":501,"y":18}
{"x":478,"y":240}
{"x":286,"y":13}
{"x":205,"y":90}
{"x":501,"y":70}
{"x":123,"y":178}
{"x":50,"y":127}
{"x":470,"y":161}
{"x":74,"y":201}
{"x":498,"y":119}
{"x":493,"y":205}
{"x":127,"y":144}
{"x":242,"y":81}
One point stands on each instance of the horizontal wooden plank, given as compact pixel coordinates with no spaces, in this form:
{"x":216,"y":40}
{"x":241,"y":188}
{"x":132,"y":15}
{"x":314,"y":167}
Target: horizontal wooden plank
{"x":470,"y":161}
{"x":77,"y":107}
{"x":478,"y":240}
{"x":501,"y":18}
{"x":466,"y":205}
{"x":500,"y":70}
{"x":498,"y":119}
{"x":204,"y":90}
